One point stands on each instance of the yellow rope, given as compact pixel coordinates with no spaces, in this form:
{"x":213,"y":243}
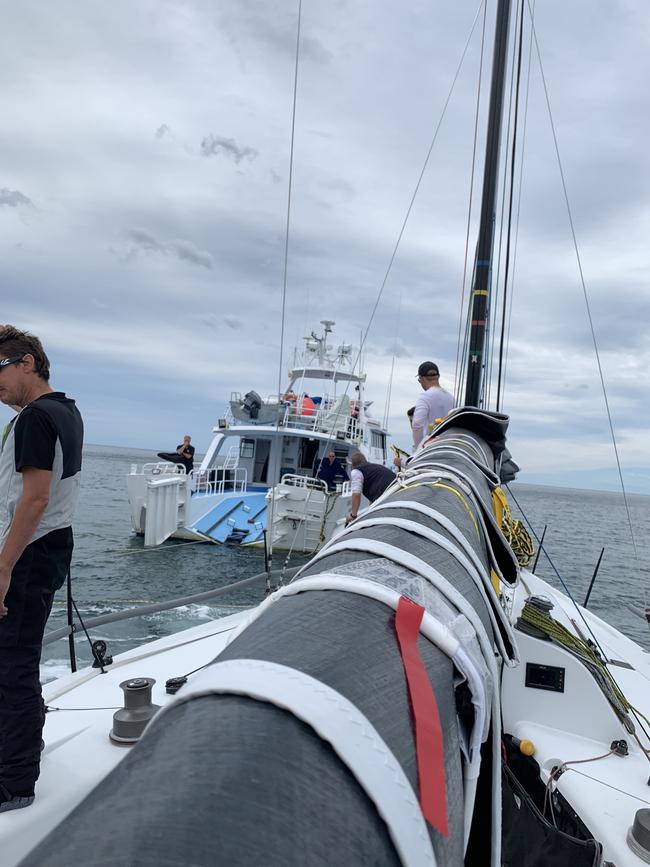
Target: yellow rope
{"x":514,"y":531}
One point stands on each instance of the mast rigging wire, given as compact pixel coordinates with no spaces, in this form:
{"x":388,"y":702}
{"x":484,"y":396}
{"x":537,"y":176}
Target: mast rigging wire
{"x":286,"y":246}
{"x":509,"y":229}
{"x":521,"y":176}
{"x":417,"y":188}
{"x":460,"y":352}
{"x":289,"y":191}
{"x":584,"y":292}
{"x":382,"y":286}
{"x":494,"y":299}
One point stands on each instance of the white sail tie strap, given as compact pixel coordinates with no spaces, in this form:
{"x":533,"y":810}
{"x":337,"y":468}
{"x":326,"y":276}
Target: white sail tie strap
{"x":467,"y":441}
{"x":455,"y":476}
{"x":479,"y":576}
{"x":338,"y":722}
{"x":415,"y":564}
{"x":448,"y":525}
{"x":420,"y":567}
{"x":429,"y":457}
{"x":432,"y":629}
{"x":433,"y":466}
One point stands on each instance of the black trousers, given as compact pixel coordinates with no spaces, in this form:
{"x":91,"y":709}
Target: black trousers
{"x":36,"y":577}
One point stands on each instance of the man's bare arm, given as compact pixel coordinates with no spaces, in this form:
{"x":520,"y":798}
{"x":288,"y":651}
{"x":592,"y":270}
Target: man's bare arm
{"x":29,"y":511}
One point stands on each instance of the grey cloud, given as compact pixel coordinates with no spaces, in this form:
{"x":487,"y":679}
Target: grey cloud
{"x":213,"y":146}
{"x":162,"y":131}
{"x":397,"y":348}
{"x":177,"y":247}
{"x":189,"y":252}
{"x":14,"y":198}
{"x":341,"y":187}
{"x":278,"y":31}
{"x":144,"y":240}
{"x":232,"y":322}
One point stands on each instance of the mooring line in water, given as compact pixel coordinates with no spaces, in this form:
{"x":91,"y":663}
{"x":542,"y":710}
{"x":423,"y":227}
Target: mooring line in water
{"x":120,"y":552}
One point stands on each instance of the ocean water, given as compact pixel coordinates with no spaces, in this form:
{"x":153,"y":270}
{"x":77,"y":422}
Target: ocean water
{"x":112,"y":571}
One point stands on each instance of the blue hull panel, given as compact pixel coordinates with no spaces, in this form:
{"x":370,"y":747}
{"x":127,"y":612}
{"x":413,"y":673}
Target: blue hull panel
{"x":240,"y":519}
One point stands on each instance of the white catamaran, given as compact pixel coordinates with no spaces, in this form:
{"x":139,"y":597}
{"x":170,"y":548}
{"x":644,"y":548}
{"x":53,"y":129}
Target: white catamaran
{"x":415,"y":695}
{"x":259,"y":444}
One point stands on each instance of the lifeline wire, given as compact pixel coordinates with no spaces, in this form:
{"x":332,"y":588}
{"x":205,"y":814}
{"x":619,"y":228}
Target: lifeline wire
{"x":584,"y":289}
{"x":559,"y":577}
{"x":638,"y":714}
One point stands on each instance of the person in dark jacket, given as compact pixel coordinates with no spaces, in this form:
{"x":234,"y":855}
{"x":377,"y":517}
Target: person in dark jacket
{"x":330,"y":470}
{"x":371,"y":480}
{"x":40,"y":465}
{"x":186,"y":452}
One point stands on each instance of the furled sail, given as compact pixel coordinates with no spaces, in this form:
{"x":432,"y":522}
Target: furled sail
{"x":354,"y":718}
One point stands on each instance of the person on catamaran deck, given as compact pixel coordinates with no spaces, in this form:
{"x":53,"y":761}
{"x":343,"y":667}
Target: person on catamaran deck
{"x":40,"y":466}
{"x":186,"y":451}
{"x":184,"y":454}
{"x":432,"y":405}
{"x":330,"y":469}
{"x":371,"y":480}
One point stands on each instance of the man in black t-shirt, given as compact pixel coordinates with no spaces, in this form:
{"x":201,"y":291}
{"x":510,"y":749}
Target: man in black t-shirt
{"x":40,"y":464}
{"x":186,"y":452}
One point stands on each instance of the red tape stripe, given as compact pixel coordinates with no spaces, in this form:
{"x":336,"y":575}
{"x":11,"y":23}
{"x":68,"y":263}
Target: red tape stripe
{"x":428,"y":733}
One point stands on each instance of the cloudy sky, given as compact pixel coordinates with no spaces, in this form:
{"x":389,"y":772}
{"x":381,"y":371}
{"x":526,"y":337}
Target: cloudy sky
{"x":143,"y":200}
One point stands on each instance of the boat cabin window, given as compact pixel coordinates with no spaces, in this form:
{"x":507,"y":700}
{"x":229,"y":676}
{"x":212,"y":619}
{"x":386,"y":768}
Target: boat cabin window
{"x":247,"y":448}
{"x":307,"y":454}
{"x":245,"y":453}
{"x":378,"y":441}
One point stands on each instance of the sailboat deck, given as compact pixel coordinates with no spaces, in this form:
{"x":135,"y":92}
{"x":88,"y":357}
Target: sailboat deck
{"x":78,"y":752}
{"x":608,"y":789}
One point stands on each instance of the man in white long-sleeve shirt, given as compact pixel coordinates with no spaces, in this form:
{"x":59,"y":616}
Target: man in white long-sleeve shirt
{"x":433,"y":404}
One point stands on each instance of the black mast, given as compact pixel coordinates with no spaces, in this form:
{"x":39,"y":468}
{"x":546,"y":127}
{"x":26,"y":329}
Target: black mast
{"x":480,"y":286}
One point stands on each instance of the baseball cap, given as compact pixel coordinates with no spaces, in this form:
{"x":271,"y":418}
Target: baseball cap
{"x":428,"y":368}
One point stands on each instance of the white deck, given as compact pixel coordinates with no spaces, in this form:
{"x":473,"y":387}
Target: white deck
{"x":564,"y":727}
{"x":580,"y":724}
{"x":78,"y":752}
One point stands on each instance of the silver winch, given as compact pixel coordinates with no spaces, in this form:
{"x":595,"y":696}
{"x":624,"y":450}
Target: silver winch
{"x":638,"y":837}
{"x":131,"y":720}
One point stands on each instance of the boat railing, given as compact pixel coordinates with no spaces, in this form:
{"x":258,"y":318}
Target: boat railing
{"x":159,"y":468}
{"x":323,"y":421}
{"x":304,"y":482}
{"x":220,"y":480}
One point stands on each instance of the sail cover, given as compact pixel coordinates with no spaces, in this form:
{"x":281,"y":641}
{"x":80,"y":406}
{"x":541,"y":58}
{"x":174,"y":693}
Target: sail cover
{"x":309,"y":739}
